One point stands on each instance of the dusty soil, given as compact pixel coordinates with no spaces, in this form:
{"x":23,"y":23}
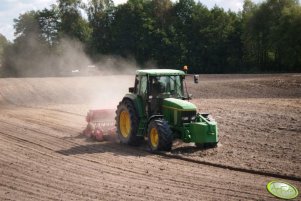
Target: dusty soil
{"x":43,"y":155}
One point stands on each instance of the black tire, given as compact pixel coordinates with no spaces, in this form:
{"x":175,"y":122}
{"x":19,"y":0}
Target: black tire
{"x":165,"y":136}
{"x":131,"y":138}
{"x":206,"y":145}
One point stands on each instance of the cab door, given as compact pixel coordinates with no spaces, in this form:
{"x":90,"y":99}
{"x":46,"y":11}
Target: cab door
{"x":142,"y":92}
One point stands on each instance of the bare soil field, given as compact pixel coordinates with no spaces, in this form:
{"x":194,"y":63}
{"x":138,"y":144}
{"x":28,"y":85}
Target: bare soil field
{"x":43,"y":155}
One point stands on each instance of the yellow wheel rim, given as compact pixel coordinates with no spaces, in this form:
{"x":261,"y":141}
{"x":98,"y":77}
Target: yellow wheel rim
{"x":125,"y":123}
{"x":154,"y":137}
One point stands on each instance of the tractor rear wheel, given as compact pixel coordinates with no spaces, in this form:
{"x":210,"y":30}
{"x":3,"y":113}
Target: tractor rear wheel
{"x":159,"y":135}
{"x":127,"y":122}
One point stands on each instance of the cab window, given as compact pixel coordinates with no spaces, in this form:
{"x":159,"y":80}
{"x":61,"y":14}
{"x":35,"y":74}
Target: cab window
{"x":143,"y":86}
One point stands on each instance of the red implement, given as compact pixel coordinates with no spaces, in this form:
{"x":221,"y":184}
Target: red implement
{"x":100,"y":123}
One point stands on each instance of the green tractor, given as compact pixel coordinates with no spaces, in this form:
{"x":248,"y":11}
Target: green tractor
{"x":157,"y":108}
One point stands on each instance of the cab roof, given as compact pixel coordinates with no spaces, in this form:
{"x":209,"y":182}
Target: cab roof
{"x":158,"y":72}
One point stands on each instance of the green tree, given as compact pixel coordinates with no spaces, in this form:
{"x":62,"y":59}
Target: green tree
{"x":26,"y":25}
{"x":161,"y":12}
{"x":23,"y":57}
{"x":161,"y":32}
{"x":182,"y":12}
{"x":49,"y":24}
{"x":73,"y":25}
{"x":100,"y":16}
{"x":223,"y":41}
{"x":131,"y":30}
{"x":263,"y":34}
{"x":250,"y":46}
{"x":3,"y":44}
{"x":263,"y":37}
{"x":289,"y":40}
{"x":27,"y":34}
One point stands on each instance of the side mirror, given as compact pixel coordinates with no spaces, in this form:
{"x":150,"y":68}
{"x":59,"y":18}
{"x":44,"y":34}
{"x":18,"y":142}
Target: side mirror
{"x":196,"y":79}
{"x":131,"y":89}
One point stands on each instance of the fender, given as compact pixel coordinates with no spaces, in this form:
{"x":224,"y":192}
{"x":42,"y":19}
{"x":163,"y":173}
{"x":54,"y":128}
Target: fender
{"x":144,"y":131}
{"x":154,"y":117}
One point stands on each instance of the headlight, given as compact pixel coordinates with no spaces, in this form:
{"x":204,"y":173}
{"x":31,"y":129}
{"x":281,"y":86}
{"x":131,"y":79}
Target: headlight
{"x":193,"y":118}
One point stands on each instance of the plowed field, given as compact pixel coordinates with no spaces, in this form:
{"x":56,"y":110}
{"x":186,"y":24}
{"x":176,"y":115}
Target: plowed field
{"x":43,"y":155}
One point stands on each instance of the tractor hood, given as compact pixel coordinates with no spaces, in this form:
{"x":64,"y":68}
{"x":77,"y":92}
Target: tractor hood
{"x":178,"y":104}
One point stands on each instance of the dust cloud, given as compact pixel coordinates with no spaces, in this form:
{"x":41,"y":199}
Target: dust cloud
{"x":68,"y":76}
{"x":67,"y":58}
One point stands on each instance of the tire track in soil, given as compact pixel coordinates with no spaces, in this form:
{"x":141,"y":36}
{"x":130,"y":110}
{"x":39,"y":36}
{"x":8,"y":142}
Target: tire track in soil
{"x":90,"y":187}
{"x":250,"y":171}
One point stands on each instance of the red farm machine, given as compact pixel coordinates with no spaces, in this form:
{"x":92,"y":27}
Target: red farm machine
{"x":100,"y":124}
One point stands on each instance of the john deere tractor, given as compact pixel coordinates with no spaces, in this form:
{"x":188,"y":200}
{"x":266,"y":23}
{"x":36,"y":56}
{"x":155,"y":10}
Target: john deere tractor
{"x":158,"y":108}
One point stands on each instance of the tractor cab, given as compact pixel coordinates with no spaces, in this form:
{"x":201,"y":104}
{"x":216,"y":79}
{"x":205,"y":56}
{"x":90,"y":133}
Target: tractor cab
{"x":153,"y":86}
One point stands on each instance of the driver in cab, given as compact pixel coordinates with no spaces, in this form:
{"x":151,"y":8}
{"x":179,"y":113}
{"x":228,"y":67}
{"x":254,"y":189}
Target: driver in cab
{"x":157,"y":87}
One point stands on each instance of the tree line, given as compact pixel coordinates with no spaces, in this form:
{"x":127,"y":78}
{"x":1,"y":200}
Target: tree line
{"x":263,"y":37}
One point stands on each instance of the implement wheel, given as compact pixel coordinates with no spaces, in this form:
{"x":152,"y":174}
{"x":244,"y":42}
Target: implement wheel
{"x":127,"y":122}
{"x":159,"y":135}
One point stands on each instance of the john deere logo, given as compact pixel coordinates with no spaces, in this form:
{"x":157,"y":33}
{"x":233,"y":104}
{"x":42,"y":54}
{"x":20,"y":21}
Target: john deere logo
{"x":282,"y":190}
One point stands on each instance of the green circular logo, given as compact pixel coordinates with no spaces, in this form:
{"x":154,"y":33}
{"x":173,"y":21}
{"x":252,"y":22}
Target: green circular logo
{"x":282,"y":190}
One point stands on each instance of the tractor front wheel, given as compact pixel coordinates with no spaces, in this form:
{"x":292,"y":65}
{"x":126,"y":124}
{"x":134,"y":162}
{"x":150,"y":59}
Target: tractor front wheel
{"x":159,"y":135}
